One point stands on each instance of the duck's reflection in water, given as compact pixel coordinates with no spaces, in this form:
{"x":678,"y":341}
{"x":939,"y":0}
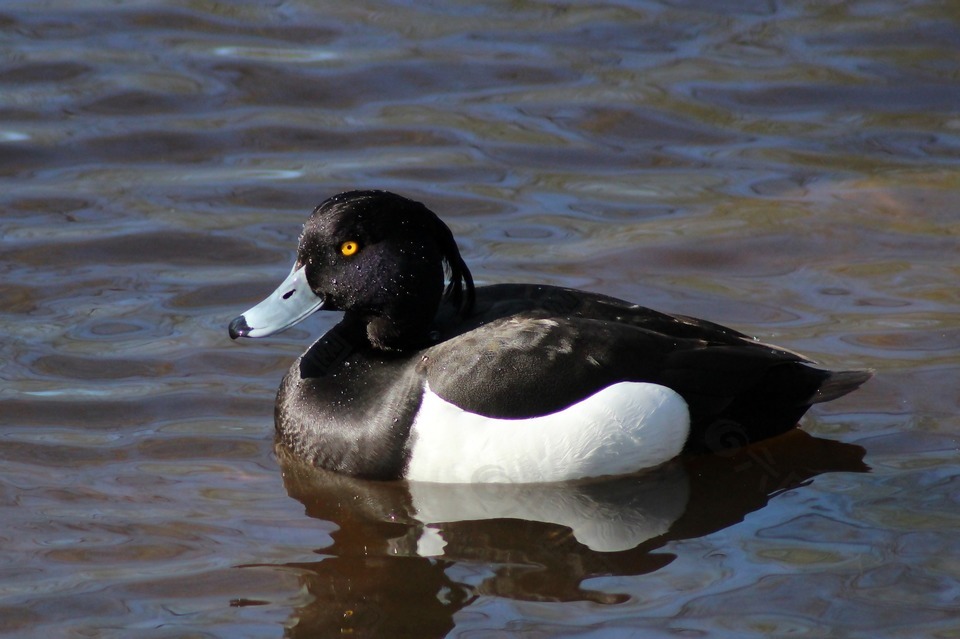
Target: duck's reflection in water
{"x":386,"y":573}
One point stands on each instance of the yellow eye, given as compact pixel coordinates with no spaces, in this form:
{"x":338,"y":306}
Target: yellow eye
{"x":349,"y":248}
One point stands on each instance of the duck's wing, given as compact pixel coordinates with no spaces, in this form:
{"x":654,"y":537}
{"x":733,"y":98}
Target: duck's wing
{"x":531,"y":363}
{"x":567,"y":345}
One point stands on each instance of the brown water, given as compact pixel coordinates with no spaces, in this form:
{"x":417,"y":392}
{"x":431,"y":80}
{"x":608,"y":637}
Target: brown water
{"x":792,"y":169}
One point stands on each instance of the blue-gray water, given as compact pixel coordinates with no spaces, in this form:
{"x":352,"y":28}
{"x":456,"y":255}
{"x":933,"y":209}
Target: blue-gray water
{"x":789,"y":168}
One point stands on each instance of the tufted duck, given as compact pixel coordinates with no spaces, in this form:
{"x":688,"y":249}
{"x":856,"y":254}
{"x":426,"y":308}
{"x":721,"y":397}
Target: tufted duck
{"x":503,"y":383}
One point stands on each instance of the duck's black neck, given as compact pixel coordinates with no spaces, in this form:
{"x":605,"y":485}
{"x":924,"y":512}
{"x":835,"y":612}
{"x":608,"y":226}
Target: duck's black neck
{"x":405,"y":327}
{"x":358,"y":334}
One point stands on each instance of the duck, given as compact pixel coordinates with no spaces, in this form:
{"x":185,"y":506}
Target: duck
{"x":429,"y":378}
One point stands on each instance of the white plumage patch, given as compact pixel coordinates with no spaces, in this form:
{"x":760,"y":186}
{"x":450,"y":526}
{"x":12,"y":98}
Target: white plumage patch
{"x":620,"y":429}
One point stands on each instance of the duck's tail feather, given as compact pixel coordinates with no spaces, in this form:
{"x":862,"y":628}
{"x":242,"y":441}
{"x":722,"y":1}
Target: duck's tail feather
{"x":839,"y":383}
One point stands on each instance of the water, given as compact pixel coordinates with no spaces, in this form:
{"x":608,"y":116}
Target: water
{"x":787,"y":168}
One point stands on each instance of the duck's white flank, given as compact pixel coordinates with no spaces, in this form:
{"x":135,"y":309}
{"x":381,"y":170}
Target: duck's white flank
{"x":620,"y":429}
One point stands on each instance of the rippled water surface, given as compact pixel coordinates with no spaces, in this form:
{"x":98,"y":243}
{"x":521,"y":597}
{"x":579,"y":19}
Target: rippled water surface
{"x":788,"y":168}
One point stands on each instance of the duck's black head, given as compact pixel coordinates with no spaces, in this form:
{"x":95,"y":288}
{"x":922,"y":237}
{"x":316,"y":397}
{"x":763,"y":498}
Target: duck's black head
{"x":378,"y":257}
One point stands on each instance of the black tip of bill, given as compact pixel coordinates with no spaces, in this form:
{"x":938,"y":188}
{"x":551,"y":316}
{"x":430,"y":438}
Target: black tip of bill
{"x":239,"y":327}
